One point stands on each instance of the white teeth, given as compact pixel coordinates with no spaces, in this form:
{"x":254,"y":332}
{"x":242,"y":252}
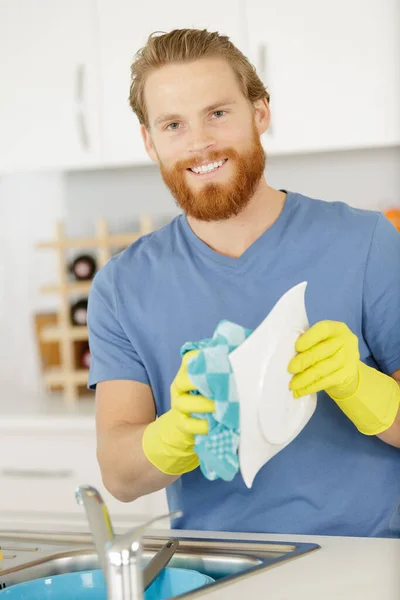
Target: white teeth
{"x":208,"y":168}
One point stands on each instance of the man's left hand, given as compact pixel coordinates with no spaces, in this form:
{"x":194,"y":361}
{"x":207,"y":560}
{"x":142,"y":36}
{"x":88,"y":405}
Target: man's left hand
{"x":328,"y":359}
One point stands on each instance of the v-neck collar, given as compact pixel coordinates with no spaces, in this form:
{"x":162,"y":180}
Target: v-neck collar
{"x":268,"y":237}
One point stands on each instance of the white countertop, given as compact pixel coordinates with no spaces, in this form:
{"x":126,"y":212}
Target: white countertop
{"x":344,"y":568}
{"x":46,"y":410}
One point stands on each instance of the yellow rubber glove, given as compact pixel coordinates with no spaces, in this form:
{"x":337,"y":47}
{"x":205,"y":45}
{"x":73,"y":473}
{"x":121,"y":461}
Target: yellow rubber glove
{"x":168,"y":442}
{"x":328,"y":359}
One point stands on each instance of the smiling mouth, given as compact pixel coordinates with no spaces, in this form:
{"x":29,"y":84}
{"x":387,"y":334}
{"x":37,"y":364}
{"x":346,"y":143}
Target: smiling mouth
{"x":210,"y":167}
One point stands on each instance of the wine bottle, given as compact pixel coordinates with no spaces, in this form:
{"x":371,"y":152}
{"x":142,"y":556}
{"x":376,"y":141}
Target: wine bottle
{"x":83,"y":267}
{"x":84,"y":361}
{"x":79,"y":312}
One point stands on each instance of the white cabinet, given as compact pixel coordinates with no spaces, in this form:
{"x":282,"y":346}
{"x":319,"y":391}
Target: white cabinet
{"x":123,"y":31}
{"x":41,"y":465}
{"x":49,"y":85}
{"x":332,"y":69}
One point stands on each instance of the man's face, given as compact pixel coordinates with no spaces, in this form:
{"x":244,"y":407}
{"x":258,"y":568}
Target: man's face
{"x":206,"y":137}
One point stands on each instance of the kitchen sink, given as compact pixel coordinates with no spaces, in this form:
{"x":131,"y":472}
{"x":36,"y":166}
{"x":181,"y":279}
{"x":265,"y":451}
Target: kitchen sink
{"x":33,"y":556}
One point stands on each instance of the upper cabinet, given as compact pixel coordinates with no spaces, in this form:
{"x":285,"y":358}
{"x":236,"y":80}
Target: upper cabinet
{"x":49,"y":84}
{"x":123,"y":30}
{"x":332,"y":69}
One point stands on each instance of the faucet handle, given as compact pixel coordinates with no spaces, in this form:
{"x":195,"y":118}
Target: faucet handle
{"x":124,"y":575}
{"x":127,"y":539}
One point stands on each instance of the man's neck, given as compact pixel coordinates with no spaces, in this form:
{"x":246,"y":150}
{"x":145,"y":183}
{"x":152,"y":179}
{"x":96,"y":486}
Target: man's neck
{"x":234,"y":236}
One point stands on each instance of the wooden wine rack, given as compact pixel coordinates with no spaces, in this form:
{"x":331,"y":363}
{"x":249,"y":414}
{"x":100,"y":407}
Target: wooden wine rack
{"x":65,"y":333}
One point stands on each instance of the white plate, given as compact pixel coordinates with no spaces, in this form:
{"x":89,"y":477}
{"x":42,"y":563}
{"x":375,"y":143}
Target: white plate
{"x":270,"y":417}
{"x":280,"y":414}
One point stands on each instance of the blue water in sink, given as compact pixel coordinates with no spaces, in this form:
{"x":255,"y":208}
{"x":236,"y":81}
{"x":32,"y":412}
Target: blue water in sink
{"x":89,"y":585}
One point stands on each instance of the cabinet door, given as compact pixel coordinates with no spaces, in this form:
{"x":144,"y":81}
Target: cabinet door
{"x":123,"y":30}
{"x":40,"y":470}
{"x":332,"y":69}
{"x":48,"y":116}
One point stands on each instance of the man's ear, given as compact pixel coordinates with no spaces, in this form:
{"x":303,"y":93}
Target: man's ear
{"x":148,"y":144}
{"x":262,"y":115}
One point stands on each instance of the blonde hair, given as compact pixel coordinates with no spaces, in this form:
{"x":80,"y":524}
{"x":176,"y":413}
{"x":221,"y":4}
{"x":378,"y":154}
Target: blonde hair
{"x":186,"y":45}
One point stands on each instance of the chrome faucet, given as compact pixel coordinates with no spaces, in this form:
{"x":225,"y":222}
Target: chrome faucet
{"x":98,"y":518}
{"x":124,"y":574}
{"x":119,"y":556}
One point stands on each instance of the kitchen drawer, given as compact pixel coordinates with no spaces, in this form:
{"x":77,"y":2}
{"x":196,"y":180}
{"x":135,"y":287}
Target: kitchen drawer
{"x":40,"y":471}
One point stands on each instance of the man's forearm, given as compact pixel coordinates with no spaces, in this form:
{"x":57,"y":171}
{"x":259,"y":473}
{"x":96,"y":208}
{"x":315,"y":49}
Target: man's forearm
{"x":126,"y":472}
{"x":392,"y":435}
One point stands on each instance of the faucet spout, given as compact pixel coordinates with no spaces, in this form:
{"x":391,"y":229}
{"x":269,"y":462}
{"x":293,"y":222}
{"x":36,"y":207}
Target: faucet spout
{"x":120,"y":556}
{"x":98,"y":518}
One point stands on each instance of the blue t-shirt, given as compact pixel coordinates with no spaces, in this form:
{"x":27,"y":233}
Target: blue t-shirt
{"x":169,"y":287}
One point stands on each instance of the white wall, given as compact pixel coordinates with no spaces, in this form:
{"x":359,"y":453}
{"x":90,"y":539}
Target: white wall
{"x":31,"y":204}
{"x":365,"y":179}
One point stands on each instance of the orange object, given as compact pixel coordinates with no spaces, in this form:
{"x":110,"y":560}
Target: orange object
{"x":393,"y":214}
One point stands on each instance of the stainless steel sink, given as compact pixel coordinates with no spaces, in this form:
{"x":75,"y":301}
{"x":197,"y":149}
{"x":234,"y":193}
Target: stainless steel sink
{"x":29,"y":557}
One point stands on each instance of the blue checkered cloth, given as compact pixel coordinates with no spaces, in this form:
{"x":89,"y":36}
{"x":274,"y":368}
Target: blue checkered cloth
{"x":211,"y":372}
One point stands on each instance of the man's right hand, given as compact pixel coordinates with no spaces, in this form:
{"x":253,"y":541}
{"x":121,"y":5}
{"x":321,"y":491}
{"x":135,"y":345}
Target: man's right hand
{"x":168,"y":442}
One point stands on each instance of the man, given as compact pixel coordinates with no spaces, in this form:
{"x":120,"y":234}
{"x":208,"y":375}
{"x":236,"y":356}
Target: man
{"x":237,"y":247}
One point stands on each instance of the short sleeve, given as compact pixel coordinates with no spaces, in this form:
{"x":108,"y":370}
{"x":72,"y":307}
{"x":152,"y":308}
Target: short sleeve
{"x":112,"y":355}
{"x":381,"y":296}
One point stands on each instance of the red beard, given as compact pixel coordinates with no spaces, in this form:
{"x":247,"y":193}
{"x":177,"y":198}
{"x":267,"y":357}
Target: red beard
{"x":218,"y":201}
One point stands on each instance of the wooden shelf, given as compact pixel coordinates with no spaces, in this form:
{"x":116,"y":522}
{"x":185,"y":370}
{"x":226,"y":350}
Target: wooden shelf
{"x":60,"y":377}
{"x":71,"y":287}
{"x":55,"y":334}
{"x":64,"y":333}
{"x":103,"y":239}
{"x":110,"y":241}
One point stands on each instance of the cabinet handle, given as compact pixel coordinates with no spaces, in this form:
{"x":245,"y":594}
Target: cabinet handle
{"x":262,"y":68}
{"x":80,"y":112}
{"x":37,"y":473}
{"x":262,"y":62}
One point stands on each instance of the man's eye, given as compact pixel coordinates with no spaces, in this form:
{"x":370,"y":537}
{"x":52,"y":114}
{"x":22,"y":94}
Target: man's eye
{"x":172,"y":127}
{"x":219,"y":113}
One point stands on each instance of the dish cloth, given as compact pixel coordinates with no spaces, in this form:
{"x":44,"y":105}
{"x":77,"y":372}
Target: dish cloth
{"x":211,"y":372}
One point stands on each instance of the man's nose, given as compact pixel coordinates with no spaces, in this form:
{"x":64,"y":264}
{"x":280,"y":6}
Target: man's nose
{"x":200,"y":139}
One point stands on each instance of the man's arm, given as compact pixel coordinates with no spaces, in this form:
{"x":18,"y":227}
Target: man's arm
{"x":381,"y":300}
{"x":329,"y":355}
{"x":392,"y":435}
{"x":123,"y":411}
{"x":139,"y":454}
{"x":328,"y":359}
